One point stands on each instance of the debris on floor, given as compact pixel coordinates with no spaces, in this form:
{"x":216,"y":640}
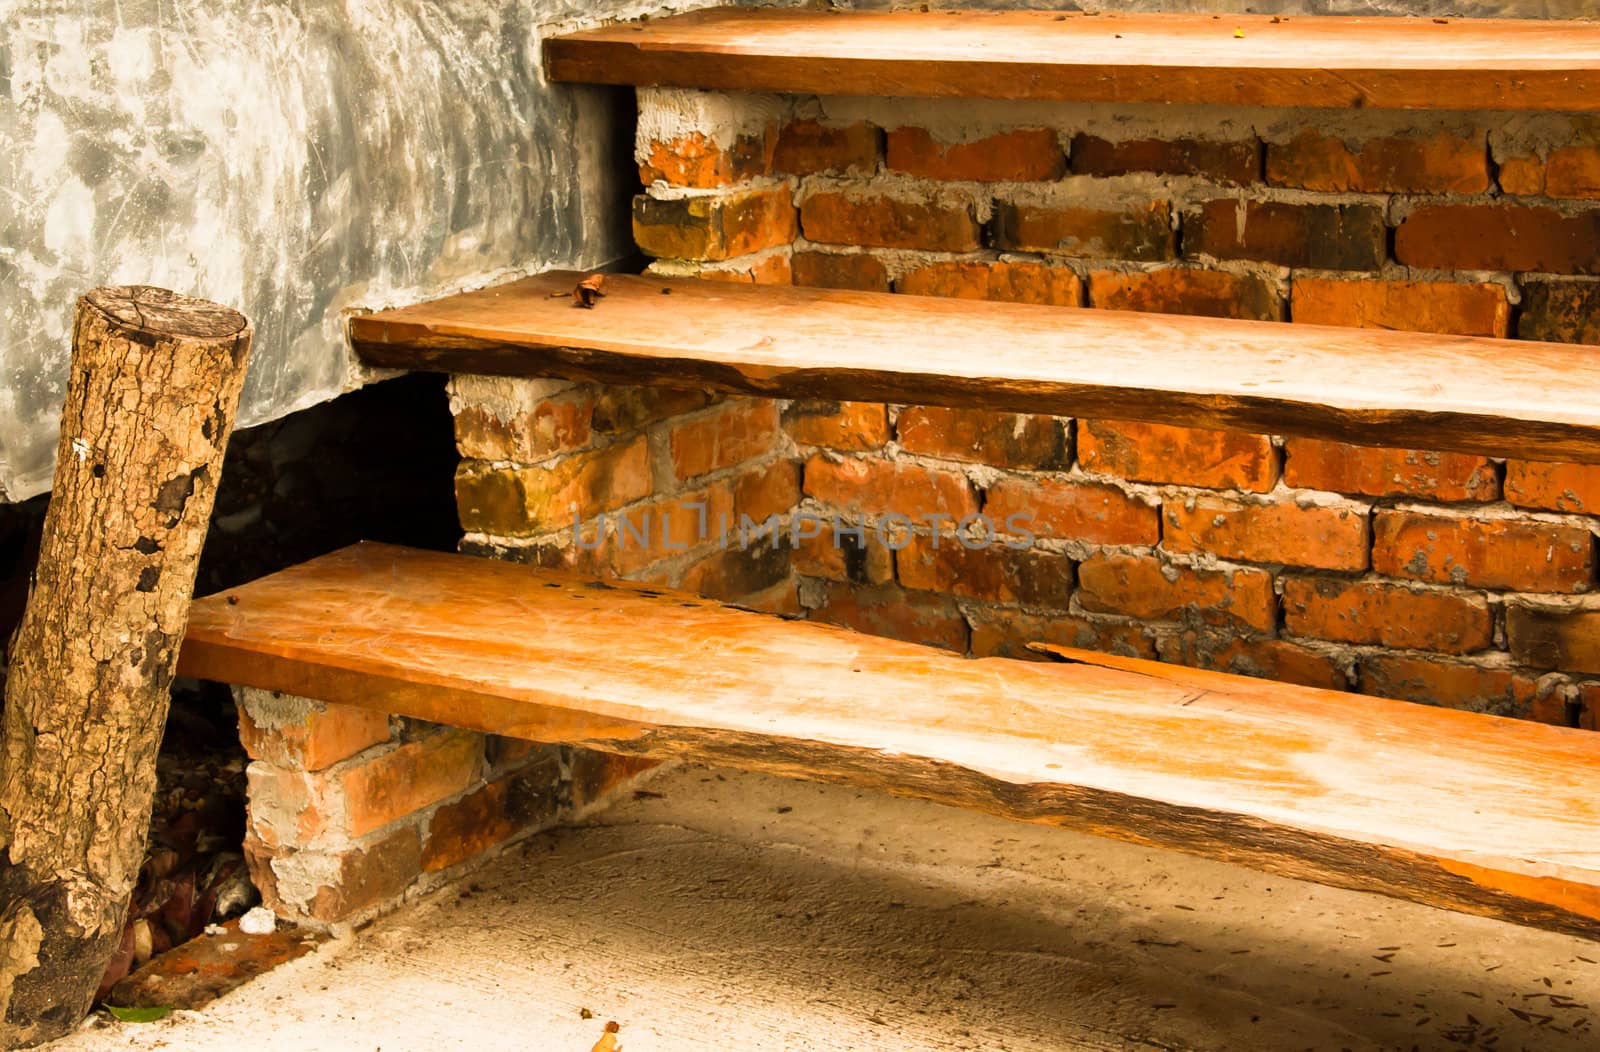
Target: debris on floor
{"x":194,"y":874}
{"x":201,"y":970}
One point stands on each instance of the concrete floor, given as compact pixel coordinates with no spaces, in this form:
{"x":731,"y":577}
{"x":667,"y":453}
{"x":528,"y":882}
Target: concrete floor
{"x":739,"y":912}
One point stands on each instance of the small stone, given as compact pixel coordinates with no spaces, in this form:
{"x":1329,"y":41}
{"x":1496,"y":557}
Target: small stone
{"x":259,"y":921}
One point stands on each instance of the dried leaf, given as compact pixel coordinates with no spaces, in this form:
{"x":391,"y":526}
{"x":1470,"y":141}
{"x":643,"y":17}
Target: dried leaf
{"x":588,"y":290}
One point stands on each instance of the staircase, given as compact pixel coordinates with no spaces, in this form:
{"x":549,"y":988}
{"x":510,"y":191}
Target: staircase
{"x":1463,"y":810}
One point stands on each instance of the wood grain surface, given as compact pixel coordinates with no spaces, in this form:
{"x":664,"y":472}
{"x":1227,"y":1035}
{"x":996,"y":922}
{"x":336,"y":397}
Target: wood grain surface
{"x":1520,"y":398}
{"x":1491,"y":816}
{"x":1230,"y":59}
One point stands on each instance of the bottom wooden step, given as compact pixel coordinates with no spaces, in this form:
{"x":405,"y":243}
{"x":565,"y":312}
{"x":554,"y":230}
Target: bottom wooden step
{"x":1475,"y":813}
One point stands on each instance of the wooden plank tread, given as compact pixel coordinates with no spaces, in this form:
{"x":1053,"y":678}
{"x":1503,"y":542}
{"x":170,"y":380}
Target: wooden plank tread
{"x":1229,"y":59}
{"x":1416,"y":390}
{"x":1488,"y":815}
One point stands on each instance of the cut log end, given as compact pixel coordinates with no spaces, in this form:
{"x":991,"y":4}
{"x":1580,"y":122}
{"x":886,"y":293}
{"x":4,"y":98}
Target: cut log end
{"x":165,"y":314}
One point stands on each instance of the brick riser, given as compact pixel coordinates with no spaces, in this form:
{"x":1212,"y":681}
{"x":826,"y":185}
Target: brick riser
{"x":353,"y":811}
{"x":1453,"y":579}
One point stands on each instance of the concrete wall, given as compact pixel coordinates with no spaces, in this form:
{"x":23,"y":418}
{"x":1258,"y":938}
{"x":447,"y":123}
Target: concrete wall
{"x":293,"y":158}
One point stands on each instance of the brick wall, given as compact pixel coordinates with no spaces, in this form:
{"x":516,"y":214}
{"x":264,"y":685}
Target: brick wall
{"x":633,"y":482}
{"x":351,"y":811}
{"x":1444,"y":578}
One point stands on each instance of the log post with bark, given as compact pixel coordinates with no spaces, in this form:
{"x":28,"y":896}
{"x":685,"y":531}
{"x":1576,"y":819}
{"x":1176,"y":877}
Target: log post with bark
{"x":150,"y":405}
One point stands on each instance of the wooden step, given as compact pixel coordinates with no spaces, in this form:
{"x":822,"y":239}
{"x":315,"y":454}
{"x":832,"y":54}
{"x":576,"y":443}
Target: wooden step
{"x":1249,"y":60}
{"x":1493,"y":397}
{"x":1490,"y":816}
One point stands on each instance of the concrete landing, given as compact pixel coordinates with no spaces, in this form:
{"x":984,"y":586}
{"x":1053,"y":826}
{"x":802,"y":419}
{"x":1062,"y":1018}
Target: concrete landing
{"x":751,"y":913}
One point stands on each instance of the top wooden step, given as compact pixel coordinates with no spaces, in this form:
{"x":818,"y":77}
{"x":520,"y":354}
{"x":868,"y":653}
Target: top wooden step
{"x":1365,"y":386}
{"x":1249,"y":60}
{"x":1492,"y":816}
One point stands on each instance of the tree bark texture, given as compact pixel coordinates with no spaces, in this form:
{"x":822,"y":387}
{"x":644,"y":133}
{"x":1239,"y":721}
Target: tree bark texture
{"x":154,"y":387}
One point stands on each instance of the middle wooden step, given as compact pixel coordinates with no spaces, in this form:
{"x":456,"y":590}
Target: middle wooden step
{"x":1466,"y":394}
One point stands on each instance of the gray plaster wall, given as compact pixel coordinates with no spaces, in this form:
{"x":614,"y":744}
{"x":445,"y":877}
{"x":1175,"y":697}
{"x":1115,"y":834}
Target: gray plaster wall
{"x":293,"y":158}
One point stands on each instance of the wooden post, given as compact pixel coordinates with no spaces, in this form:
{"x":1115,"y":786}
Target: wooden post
{"x":150,"y":404}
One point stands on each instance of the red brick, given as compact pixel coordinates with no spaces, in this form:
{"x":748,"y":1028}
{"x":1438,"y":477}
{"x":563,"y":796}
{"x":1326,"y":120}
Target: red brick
{"x":1499,"y":237}
{"x":886,"y":222}
{"x":765,"y":269}
{"x":1522,"y":175}
{"x":1023,"y":155}
{"x":1515,"y":554}
{"x":1462,"y":308}
{"x":1137,"y":232}
{"x":767,"y":489}
{"x":1454,"y":685}
{"x":1558,"y":487}
{"x":1588,"y":708}
{"x":1324,"y":237}
{"x":772,"y":270}
{"x":807,"y":148}
{"x":882,"y":487}
{"x":596,"y":775}
{"x":837,"y":270}
{"x":1002,"y":440}
{"x":843,"y":556}
{"x":290,"y":808}
{"x":1571,"y":171}
{"x":1386,"y":614}
{"x":620,"y":408}
{"x":467,"y":827}
{"x":884,"y":610}
{"x":1150,"y":589}
{"x":407,"y":779}
{"x":1069,"y":510}
{"x":1324,"y":538}
{"x":1311,"y":463}
{"x":366,"y":877}
{"x":695,"y":161}
{"x":729,"y":574}
{"x":995,"y":572}
{"x":491,"y":815}
{"x":1182,"y":455}
{"x":1186,"y":290}
{"x":325,"y":735}
{"x":1275,"y":659}
{"x":1562,"y":638}
{"x":838,"y":425}
{"x":713,"y":226}
{"x":1009,"y":282}
{"x":1561,"y":312}
{"x":735,"y":432}
{"x":521,"y":500}
{"x":554,"y":425}
{"x":1440,"y":164}
{"x":660,"y":530}
{"x":1233,"y":161}
{"x":1002,"y":632}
